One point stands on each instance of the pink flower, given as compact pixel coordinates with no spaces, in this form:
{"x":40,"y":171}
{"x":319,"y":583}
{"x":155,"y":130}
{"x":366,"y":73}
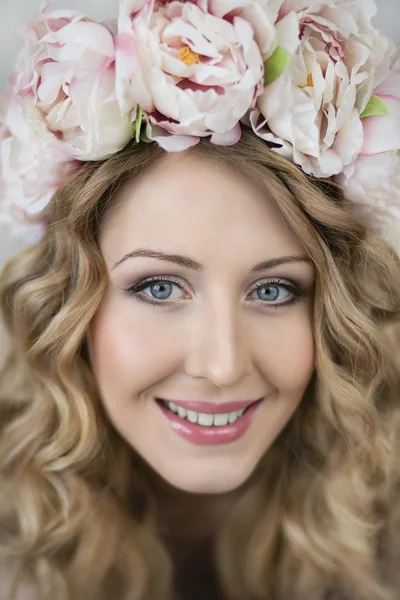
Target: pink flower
{"x":32,"y":163}
{"x":382,"y":131}
{"x":194,"y":73}
{"x":313,"y":110}
{"x":374,"y":178}
{"x":67,"y":71}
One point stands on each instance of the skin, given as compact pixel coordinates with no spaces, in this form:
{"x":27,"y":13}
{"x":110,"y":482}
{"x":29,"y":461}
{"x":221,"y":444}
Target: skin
{"x":219,"y":339}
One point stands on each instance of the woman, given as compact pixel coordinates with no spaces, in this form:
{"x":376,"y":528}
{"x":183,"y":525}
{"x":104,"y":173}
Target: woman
{"x":221,"y":424}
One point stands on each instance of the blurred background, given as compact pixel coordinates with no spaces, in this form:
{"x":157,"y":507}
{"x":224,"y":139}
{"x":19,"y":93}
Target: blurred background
{"x":13,"y":12}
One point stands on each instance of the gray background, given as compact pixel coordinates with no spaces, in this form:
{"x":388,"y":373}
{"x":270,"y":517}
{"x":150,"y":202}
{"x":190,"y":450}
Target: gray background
{"x":13,"y":12}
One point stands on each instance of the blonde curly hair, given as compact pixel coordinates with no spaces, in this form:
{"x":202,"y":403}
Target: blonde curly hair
{"x":320,"y":515}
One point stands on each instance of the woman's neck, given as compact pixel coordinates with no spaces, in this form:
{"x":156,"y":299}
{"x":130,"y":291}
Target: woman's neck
{"x":188,"y":525}
{"x":186,"y":516}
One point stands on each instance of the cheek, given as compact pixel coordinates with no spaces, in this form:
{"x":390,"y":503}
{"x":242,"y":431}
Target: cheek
{"x":126,"y":352}
{"x":290,"y":359}
{"x":111,"y":346}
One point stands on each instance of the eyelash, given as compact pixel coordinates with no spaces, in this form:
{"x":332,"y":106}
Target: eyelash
{"x":135,"y":290}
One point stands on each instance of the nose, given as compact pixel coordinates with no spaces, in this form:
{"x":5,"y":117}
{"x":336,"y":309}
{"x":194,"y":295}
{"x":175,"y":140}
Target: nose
{"x":219,"y":348}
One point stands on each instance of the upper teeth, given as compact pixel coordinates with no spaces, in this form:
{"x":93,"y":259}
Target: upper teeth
{"x":206,"y":419}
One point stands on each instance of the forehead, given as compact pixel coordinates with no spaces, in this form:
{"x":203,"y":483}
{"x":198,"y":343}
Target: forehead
{"x":186,"y":200}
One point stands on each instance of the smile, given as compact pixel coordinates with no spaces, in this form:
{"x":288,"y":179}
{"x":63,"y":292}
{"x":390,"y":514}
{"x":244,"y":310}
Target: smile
{"x":207,"y":428}
{"x":205,"y":419}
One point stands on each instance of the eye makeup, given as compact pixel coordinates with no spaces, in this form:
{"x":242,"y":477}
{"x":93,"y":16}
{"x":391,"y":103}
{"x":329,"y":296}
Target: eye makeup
{"x":295,"y":291}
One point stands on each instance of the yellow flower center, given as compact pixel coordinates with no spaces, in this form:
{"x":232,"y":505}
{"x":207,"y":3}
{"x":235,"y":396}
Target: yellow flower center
{"x":310,"y":82}
{"x":187,"y":56}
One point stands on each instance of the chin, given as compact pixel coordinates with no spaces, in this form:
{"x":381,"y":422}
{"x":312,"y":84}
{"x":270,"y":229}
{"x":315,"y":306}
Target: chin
{"x":206,"y":482}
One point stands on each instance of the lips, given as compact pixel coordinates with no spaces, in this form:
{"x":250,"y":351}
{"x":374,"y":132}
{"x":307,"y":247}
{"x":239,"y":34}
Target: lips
{"x":216,"y":434}
{"x":211,"y":407}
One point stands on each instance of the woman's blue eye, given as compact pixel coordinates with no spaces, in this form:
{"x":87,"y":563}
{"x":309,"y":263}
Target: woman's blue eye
{"x":274,"y":294}
{"x":164,"y":294}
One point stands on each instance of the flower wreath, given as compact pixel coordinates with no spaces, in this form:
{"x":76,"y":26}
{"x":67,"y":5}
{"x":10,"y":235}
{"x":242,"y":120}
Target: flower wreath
{"x":313,"y":78}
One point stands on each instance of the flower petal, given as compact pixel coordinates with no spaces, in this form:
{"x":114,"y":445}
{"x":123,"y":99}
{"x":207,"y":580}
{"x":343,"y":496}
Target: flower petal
{"x":382,"y":134}
{"x":171,"y":142}
{"x":229,"y":138}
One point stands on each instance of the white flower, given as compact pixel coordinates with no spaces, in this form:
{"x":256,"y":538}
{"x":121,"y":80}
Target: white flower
{"x":373,"y":191}
{"x":374,"y":178}
{"x":313,"y":110}
{"x":32,"y":163}
{"x":67,"y":69}
{"x":194,"y":73}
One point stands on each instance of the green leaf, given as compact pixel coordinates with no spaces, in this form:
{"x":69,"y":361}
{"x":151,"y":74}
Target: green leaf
{"x":138,"y":124}
{"x":398,"y":152}
{"x":376,"y":107}
{"x":144,"y":137}
{"x":276,"y":65}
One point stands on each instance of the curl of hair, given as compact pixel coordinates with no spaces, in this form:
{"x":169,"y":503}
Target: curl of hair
{"x":318,"y":516}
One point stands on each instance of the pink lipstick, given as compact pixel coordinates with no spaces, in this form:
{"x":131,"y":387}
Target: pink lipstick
{"x":205,"y":423}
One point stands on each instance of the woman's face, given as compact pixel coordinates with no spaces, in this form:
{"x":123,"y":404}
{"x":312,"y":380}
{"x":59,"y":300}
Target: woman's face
{"x":214,"y":336}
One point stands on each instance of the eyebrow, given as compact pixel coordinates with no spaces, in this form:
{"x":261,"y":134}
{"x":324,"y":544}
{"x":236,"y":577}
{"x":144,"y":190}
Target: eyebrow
{"x":189,"y":263}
